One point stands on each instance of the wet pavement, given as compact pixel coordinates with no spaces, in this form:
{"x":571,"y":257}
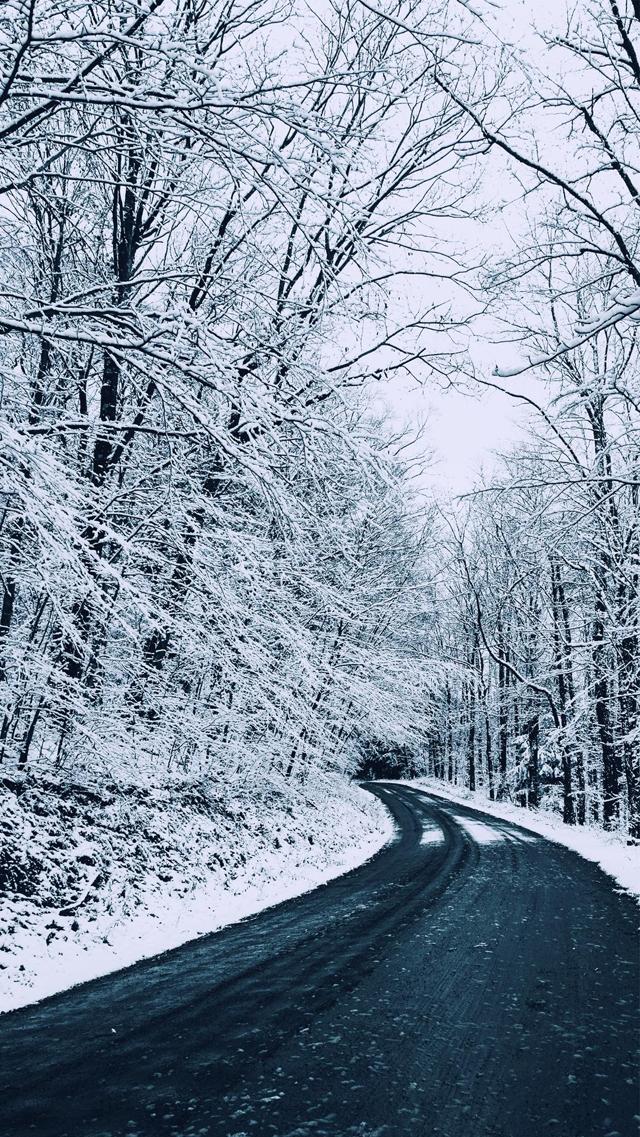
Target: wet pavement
{"x":471,"y":980}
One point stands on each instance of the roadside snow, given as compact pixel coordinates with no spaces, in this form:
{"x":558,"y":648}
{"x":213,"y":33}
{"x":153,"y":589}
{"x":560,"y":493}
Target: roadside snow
{"x":92,"y":881}
{"x":609,"y":850}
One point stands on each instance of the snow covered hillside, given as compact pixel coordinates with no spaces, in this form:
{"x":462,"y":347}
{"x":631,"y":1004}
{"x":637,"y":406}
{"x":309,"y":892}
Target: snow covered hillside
{"x":93,"y":880}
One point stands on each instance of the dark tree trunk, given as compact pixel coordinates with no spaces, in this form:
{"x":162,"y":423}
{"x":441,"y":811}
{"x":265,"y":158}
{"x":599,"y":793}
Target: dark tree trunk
{"x":503,"y":716}
{"x":533,"y":766}
{"x":489,"y":755}
{"x":449,"y":739}
{"x":567,"y":747}
{"x":629,"y":672}
{"x":6,"y":618}
{"x":602,"y":702}
{"x":603,"y":692}
{"x":472,"y":737}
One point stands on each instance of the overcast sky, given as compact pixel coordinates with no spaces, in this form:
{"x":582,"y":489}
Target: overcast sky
{"x":464,"y":432}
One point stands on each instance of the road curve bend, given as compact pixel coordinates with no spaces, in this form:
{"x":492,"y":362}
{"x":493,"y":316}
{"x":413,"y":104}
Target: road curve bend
{"x":471,"y":980}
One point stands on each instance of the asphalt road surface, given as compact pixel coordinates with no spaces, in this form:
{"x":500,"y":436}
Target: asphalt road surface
{"x":472,"y":980}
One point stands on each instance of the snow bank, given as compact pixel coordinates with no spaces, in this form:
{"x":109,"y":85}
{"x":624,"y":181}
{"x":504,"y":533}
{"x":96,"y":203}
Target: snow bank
{"x":94,"y":880}
{"x":609,"y":850}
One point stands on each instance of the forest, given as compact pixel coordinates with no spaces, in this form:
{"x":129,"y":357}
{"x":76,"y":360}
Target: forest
{"x":226,"y":226}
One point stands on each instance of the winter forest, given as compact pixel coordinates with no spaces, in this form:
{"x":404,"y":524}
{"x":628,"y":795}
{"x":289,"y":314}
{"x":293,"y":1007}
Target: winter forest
{"x":231,"y":232}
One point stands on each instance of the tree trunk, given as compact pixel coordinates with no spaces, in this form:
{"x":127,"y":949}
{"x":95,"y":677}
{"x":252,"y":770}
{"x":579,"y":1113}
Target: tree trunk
{"x":533,"y":765}
{"x":602,"y":702}
{"x":503,"y":716}
{"x":471,"y":744}
{"x":567,"y":747}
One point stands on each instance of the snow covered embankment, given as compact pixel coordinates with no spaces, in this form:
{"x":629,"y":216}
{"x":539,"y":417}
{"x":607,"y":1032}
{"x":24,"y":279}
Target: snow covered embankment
{"x":93,"y":880}
{"x":609,"y":850}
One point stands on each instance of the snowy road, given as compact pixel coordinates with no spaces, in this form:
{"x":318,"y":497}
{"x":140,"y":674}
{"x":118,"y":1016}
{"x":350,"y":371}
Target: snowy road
{"x":472,"y":980}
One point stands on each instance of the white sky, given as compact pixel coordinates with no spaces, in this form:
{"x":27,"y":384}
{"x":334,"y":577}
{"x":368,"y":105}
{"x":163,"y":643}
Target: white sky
{"x":461,"y":430}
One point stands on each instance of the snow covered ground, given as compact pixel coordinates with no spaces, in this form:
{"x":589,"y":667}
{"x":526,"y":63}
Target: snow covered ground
{"x":609,"y":850}
{"x":94,"y":880}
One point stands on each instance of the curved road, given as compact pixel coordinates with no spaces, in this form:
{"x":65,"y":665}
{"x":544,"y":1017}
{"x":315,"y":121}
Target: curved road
{"x":471,"y":980}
